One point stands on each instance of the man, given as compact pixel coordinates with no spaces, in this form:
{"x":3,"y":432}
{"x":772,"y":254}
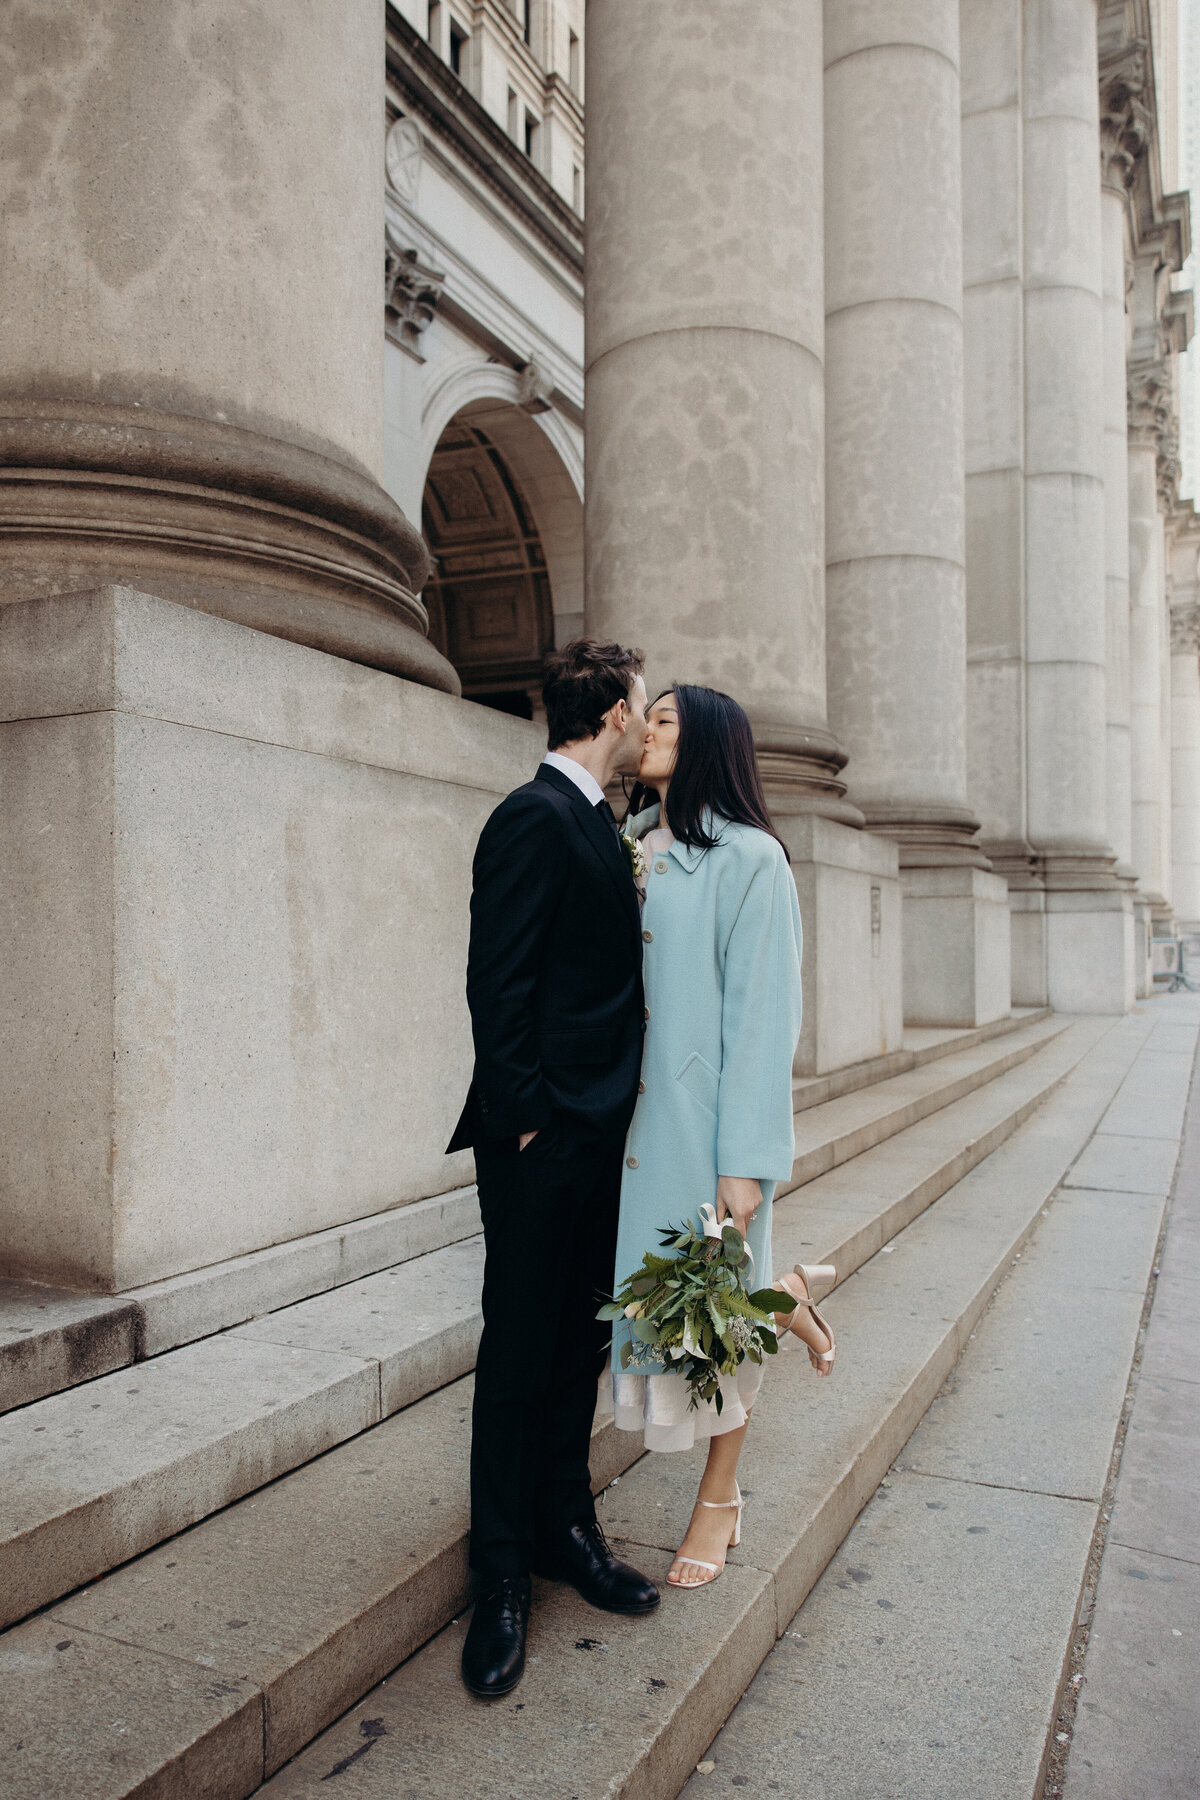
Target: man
{"x":555,"y":990}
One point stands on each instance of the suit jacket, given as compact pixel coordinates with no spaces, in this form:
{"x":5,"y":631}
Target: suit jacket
{"x":554,"y":971}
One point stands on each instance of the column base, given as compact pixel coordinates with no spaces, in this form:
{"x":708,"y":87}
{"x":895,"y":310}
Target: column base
{"x":239,"y":871}
{"x":1143,"y":958}
{"x":957,"y":946}
{"x":1074,"y":950}
{"x":849,"y":888}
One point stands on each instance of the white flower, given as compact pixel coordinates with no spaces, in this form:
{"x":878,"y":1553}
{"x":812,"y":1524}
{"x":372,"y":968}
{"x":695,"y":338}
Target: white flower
{"x":633,"y":1310}
{"x":636,"y":855}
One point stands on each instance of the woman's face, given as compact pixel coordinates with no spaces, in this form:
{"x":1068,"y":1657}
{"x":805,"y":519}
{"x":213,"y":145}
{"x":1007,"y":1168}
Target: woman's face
{"x":662,"y":742}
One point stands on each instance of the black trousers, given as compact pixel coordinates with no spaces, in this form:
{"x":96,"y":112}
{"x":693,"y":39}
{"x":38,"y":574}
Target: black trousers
{"x":550,"y":1232}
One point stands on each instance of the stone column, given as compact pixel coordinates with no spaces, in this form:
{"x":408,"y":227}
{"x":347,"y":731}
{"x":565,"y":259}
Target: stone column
{"x":191,"y":370}
{"x":1087,"y":924}
{"x":1117,"y":103}
{"x":1185,"y":723}
{"x":894,"y":540}
{"x":705,"y":432}
{"x":1148,"y":414}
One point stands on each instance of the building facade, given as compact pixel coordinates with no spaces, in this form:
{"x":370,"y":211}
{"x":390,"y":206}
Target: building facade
{"x":876,"y":368}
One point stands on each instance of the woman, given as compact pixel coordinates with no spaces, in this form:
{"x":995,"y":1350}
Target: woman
{"x":722,"y":943}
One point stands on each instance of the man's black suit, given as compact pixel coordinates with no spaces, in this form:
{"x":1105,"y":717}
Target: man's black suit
{"x":555,"y":990}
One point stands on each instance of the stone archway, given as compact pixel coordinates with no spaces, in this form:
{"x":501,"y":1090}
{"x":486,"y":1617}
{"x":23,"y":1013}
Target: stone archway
{"x":503,"y":520}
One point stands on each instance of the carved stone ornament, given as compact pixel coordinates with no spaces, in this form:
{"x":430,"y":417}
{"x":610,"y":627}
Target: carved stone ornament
{"x":403,"y":158}
{"x":1185,"y":630}
{"x":1149,"y":403}
{"x":411,"y":289}
{"x":1124,"y":117}
{"x":535,"y":392}
{"x":1170,"y":467}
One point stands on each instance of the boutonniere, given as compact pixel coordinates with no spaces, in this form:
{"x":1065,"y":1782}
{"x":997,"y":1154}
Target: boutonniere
{"x":635,"y":855}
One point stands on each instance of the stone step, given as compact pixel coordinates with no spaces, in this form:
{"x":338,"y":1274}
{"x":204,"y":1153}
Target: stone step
{"x":629,"y":1707}
{"x":296,"y":1599}
{"x":51,"y":1339}
{"x":922,"y":1044}
{"x":842,"y":1128}
{"x":96,"y":1474}
{"x":54,"y":1338}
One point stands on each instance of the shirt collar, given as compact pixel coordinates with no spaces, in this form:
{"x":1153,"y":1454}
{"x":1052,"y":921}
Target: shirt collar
{"x":587,"y":784}
{"x":689,"y":856}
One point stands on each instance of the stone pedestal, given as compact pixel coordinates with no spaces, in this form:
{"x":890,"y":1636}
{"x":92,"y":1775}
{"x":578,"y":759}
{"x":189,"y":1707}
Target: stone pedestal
{"x":1148,"y":626}
{"x":191,"y":376}
{"x":1185,"y":767}
{"x":957,"y":947}
{"x":1078,"y":949}
{"x":895,"y":535}
{"x":849,"y":888}
{"x":235,"y":887}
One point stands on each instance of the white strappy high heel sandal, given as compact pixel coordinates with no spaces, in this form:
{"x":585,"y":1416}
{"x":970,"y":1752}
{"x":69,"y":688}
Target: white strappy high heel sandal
{"x":698,"y":1561}
{"x":817,"y":1282}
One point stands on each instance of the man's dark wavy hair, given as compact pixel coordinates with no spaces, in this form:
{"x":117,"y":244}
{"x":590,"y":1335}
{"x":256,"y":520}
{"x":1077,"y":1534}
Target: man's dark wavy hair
{"x":583,"y":680}
{"x":715,"y":769}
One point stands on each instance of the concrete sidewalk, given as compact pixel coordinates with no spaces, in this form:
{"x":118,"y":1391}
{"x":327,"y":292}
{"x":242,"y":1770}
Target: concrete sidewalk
{"x":933,"y":1659}
{"x":1137,"y":1720}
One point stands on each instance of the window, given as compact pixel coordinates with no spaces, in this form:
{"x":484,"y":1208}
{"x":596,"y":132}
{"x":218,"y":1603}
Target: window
{"x":512,"y":113}
{"x":528,"y":10}
{"x":573,"y":70}
{"x":577,"y":190}
{"x":459,"y":39}
{"x":533,"y":137}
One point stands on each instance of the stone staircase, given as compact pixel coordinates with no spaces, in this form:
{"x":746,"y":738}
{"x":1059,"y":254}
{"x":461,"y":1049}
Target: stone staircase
{"x":274,"y":1517}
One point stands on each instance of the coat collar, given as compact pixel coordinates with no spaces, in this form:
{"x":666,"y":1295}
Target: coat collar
{"x":688,"y":856}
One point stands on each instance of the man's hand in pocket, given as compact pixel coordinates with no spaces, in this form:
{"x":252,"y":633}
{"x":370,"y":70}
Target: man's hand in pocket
{"x":525,"y":1139}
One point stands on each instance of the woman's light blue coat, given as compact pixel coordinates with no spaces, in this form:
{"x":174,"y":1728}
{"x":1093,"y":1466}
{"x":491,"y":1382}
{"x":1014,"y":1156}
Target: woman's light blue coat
{"x":722,"y":947}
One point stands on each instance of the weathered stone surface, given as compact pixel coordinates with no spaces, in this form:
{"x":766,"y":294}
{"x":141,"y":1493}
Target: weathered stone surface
{"x":94,"y":1475}
{"x":1156,"y":1502}
{"x":298,"y":1057}
{"x":1136,"y":1165}
{"x":1035,"y":1404}
{"x":915,"y":1668}
{"x":319,"y":1585}
{"x":1137,"y":1727}
{"x":608,"y":1705}
{"x":51,"y":1338}
{"x":185,"y":1307}
{"x":420,"y":1322}
{"x":83,"y":1717}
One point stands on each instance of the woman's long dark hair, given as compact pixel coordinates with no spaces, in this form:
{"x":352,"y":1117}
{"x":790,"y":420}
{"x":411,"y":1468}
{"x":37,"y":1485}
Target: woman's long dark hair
{"x":715,"y":769}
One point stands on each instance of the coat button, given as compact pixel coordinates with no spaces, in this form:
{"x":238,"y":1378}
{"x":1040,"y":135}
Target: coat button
{"x":631,"y":1162}
{"x":641,"y":1087}
{"x":647,"y":937}
{"x":645,"y":1012}
{"x":660,"y":868}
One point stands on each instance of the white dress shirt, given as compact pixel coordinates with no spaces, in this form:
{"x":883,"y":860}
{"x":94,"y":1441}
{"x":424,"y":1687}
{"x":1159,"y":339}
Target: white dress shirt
{"x":586,"y":782}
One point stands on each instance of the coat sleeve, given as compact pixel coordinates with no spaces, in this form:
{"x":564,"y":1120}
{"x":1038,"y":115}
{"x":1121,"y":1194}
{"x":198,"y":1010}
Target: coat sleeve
{"x":760,"y":1025}
{"x":518,"y":877}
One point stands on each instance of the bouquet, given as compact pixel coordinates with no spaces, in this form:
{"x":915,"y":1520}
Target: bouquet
{"x":692,"y":1310}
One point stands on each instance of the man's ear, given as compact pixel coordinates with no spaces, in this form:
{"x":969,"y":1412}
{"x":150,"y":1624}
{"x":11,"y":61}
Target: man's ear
{"x":620,"y":715}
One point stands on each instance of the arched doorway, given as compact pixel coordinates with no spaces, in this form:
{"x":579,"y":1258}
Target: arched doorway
{"x":489,"y":600}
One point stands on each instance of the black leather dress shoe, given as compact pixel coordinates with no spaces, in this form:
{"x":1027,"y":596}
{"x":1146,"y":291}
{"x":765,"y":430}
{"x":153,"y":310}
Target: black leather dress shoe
{"x":493,"y":1658}
{"x":582,"y":1557}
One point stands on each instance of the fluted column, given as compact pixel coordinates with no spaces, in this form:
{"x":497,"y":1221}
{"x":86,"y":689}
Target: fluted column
{"x":1088,"y":941}
{"x":895,"y":569}
{"x":704,"y":353}
{"x":191,"y":367}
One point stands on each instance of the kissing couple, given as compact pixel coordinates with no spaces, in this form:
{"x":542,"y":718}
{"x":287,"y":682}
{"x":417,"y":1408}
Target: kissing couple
{"x":635,"y":1005}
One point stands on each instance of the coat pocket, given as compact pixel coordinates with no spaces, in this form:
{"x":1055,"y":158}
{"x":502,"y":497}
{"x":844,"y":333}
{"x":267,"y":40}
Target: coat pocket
{"x":700,"y":1080}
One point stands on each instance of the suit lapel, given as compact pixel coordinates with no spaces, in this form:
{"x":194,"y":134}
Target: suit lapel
{"x":600,"y":836}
